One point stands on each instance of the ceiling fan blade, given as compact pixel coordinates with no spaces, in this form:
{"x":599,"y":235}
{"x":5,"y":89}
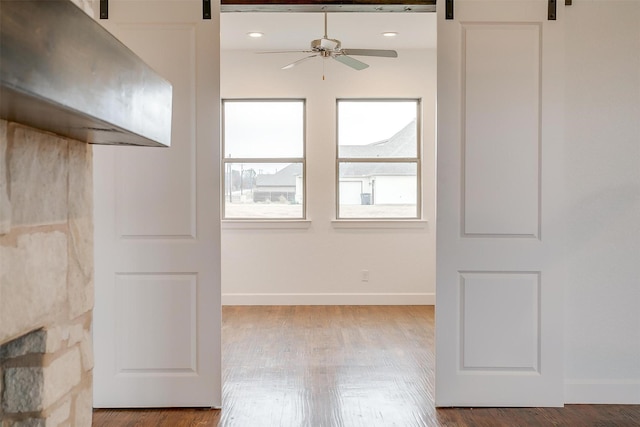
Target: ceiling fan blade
{"x":285,"y":51}
{"x":385,"y":53}
{"x":293,"y":64}
{"x":351,"y":62}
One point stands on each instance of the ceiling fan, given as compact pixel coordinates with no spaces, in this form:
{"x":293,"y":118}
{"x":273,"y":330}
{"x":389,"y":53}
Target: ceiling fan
{"x":332,"y":48}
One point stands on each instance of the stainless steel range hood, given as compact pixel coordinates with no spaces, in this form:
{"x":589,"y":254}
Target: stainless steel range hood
{"x":60,"y":71}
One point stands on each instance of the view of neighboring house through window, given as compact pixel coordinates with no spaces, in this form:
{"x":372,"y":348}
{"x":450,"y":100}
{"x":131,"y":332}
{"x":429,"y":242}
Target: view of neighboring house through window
{"x":264,"y":158}
{"x":378,"y":159}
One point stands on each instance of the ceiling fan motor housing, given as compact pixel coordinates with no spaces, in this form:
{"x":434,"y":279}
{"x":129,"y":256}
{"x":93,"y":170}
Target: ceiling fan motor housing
{"x":325,"y":44}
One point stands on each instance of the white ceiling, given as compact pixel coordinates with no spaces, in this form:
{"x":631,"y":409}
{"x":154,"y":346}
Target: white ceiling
{"x":354,"y":30}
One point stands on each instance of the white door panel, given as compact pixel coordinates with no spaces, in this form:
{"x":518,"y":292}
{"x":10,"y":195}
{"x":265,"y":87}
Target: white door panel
{"x":157,"y":316}
{"x":499,"y":236}
{"x":501,"y":99}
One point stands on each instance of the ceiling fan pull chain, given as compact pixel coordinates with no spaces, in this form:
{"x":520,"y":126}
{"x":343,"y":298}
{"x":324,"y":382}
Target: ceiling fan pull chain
{"x":324,"y":60}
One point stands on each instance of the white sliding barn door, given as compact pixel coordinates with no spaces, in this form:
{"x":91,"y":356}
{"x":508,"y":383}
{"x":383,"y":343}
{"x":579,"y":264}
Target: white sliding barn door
{"x":499,"y":233}
{"x":157,"y":235}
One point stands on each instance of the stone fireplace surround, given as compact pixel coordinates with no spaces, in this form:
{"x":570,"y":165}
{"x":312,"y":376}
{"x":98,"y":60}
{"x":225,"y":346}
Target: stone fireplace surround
{"x":46,"y":279}
{"x":46,"y":206}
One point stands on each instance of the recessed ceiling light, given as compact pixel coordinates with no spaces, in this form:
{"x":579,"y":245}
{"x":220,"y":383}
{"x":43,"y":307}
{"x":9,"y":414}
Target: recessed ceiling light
{"x":255,"y":34}
{"x":390,"y":34}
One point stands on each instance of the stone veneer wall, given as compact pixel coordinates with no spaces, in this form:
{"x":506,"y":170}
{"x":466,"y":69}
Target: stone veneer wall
{"x":46,"y":278}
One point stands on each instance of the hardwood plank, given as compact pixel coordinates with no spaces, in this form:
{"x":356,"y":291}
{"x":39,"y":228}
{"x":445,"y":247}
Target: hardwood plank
{"x":342,"y":366}
{"x":172,"y":417}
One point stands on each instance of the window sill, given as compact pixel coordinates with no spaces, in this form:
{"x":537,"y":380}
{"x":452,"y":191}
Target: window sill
{"x":380,"y":223}
{"x":263,"y":224}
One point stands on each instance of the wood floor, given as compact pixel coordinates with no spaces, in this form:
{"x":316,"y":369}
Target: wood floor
{"x":325,"y":366}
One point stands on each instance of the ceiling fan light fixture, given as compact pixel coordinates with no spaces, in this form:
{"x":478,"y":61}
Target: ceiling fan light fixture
{"x":255,"y":34}
{"x":332,"y":48}
{"x":390,"y":33}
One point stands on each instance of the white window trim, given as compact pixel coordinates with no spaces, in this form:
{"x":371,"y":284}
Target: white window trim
{"x":381,"y":222}
{"x":231,"y":160}
{"x":400,"y":223}
{"x":265,"y":224}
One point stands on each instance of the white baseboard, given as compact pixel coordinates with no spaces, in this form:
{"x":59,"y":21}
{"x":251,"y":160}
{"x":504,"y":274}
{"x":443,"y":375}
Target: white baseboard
{"x":623,"y":392}
{"x":329,"y":299}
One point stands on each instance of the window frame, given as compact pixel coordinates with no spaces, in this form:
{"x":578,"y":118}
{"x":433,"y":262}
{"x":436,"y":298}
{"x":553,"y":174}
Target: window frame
{"x":231,"y":160}
{"x":412,"y":160}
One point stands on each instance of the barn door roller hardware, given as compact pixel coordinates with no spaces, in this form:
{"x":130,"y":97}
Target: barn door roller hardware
{"x":104,"y":9}
{"x":551,"y":14}
{"x":448,"y":9}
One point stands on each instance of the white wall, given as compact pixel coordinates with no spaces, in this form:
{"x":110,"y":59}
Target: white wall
{"x":322,"y":264}
{"x":602,"y":310}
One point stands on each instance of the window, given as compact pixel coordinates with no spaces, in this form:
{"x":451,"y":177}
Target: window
{"x":378,"y":161}
{"x":263,"y":158}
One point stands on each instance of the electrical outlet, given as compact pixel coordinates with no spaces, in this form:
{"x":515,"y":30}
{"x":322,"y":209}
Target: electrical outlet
{"x":364,"y":275}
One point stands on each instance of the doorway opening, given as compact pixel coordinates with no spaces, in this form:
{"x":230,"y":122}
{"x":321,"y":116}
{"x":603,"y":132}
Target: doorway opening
{"x":349,"y":270}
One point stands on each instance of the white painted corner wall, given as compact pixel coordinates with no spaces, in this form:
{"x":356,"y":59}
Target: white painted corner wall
{"x":321,"y":263}
{"x":602,"y":172}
